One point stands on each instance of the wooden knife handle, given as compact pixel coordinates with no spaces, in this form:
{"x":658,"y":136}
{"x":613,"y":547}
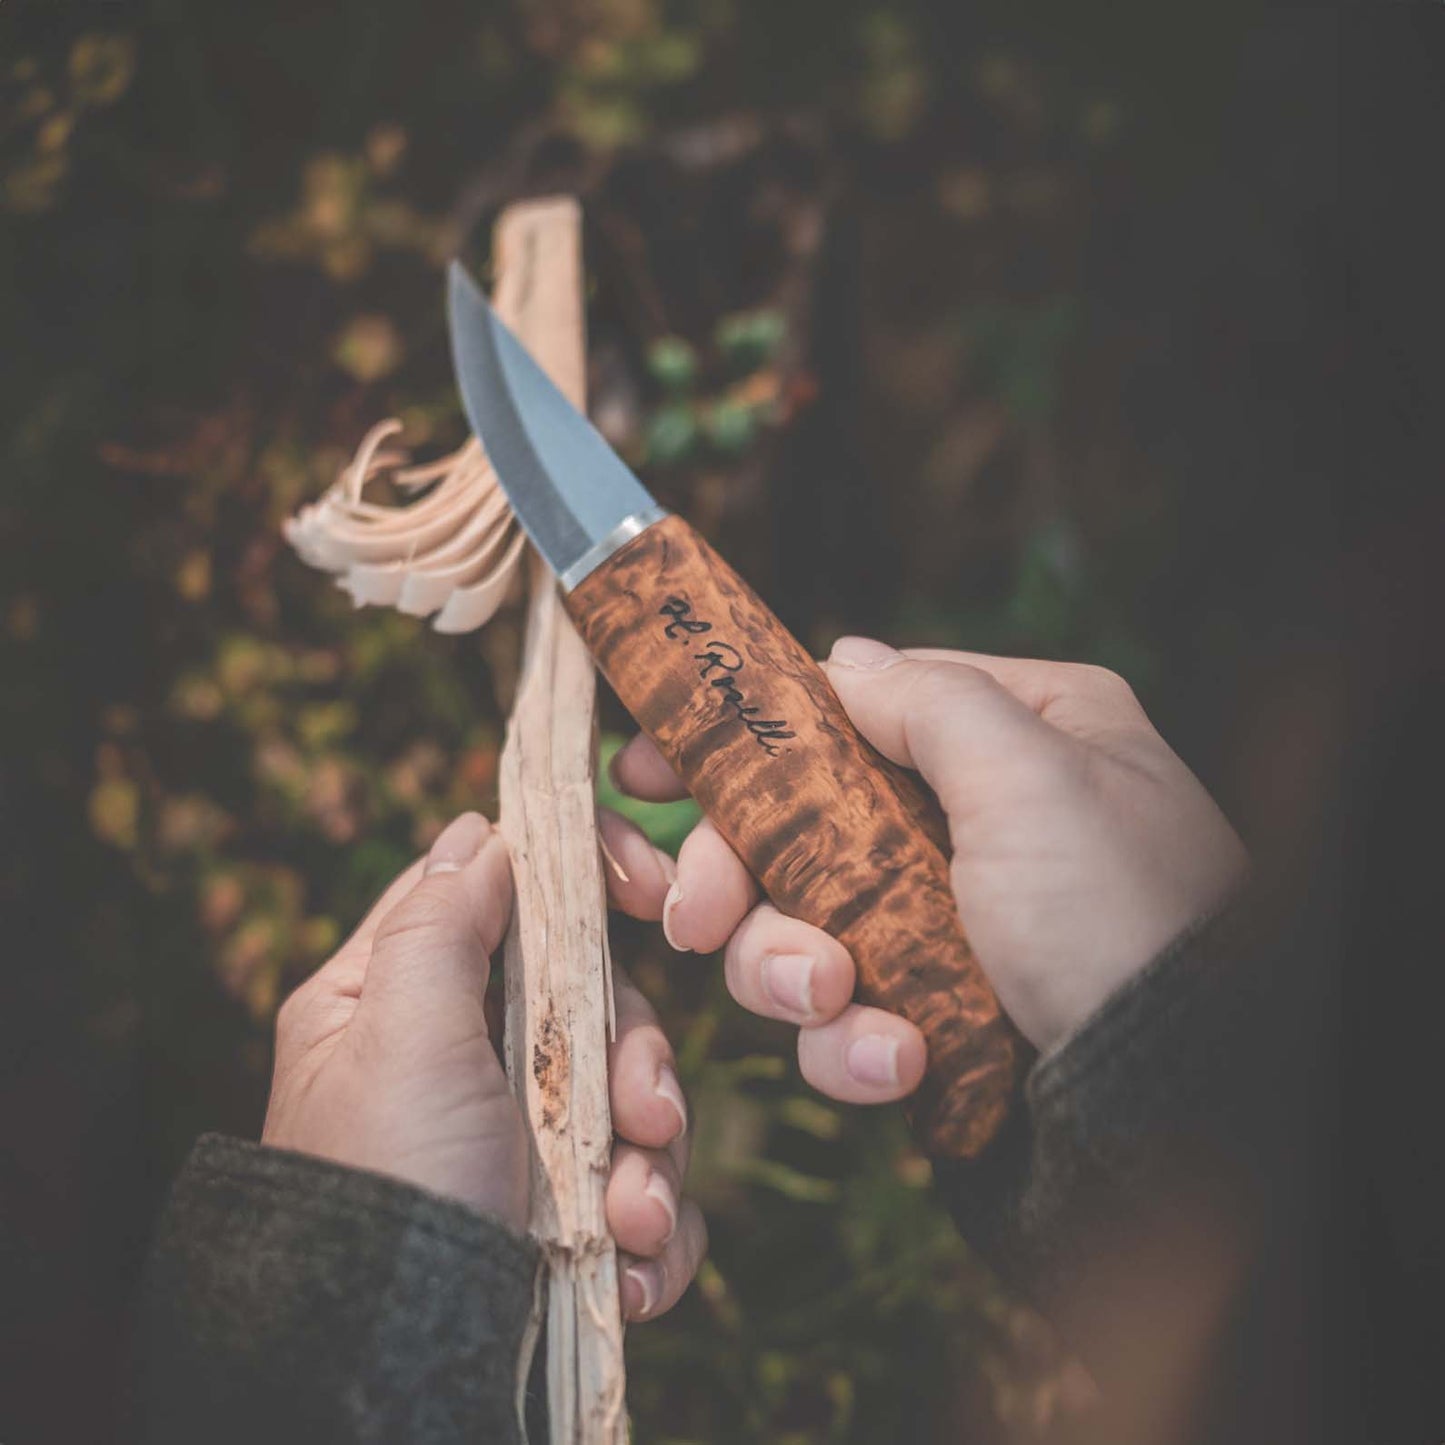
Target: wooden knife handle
{"x":835,"y":833}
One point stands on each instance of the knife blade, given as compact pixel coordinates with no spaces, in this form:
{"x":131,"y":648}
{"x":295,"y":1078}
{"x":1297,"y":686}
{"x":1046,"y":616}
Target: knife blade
{"x":834,"y":833}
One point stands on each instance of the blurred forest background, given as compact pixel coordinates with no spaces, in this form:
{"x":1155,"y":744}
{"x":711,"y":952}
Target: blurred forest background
{"x":947,"y":323}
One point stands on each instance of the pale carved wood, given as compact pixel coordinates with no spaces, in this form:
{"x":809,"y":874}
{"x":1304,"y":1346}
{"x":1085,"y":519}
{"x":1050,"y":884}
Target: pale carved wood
{"x":558,"y":971}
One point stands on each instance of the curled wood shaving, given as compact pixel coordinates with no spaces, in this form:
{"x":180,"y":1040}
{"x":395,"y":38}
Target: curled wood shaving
{"x":451,"y":555}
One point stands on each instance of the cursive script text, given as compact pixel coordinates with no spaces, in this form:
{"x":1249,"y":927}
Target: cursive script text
{"x":720,"y":666}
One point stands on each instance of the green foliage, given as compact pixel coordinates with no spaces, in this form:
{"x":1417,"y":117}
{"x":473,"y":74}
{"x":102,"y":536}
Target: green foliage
{"x":716,"y":405}
{"x":730,"y":427}
{"x":666,"y":824}
{"x":673,"y":363}
{"x":672,"y":434}
{"x":749,"y":339}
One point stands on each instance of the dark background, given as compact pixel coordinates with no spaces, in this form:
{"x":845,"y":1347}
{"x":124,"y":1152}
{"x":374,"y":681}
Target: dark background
{"x":1089,"y":333}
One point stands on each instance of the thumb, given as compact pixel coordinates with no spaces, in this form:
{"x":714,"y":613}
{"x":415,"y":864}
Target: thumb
{"x":952,"y":722}
{"x":431,"y":955}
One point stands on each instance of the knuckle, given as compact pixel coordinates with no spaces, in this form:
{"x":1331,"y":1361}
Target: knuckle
{"x":934,"y":682}
{"x":424,"y":911}
{"x":1060,"y":769}
{"x":741,"y":951}
{"x":834,"y":979}
{"x":628,"y":1165}
{"x":662,"y":1161}
{"x":679,"y":1150}
{"x":293,"y":1011}
{"x":697,"y":1235}
{"x":941,"y":687}
{"x":1102,"y":681}
{"x":636,"y":1018}
{"x":735,"y":975}
{"x":812,"y":1060}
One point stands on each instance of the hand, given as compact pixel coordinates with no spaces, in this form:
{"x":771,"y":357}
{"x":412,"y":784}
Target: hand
{"x":384,"y":1061}
{"x":1082,"y":846}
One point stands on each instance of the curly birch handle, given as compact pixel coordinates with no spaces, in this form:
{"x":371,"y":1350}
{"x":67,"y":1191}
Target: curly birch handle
{"x":833,"y":832}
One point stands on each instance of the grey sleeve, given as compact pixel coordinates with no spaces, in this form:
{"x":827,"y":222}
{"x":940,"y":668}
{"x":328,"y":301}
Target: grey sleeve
{"x":288,"y":1298}
{"x":1164,"y":1098}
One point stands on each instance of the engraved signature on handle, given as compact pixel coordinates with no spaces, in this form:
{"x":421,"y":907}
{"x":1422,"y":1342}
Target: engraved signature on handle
{"x":724,"y":660}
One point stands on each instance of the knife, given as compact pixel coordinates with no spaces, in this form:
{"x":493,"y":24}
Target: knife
{"x":835,"y":833}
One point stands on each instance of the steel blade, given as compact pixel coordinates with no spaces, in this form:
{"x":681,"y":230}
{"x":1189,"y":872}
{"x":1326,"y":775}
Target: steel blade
{"x":571,"y":492}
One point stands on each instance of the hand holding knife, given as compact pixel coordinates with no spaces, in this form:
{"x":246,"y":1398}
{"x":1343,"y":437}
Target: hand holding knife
{"x":834,"y":833}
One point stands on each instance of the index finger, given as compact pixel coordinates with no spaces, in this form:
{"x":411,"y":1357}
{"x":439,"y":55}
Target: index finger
{"x":1049,"y":688}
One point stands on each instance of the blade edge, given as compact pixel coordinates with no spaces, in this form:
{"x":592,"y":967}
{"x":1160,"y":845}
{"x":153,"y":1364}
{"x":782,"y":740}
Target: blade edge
{"x":503,"y":436}
{"x":570,"y":491}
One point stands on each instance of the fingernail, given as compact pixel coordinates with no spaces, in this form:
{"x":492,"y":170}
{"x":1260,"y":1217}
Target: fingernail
{"x":864,"y":653}
{"x":610,"y":858}
{"x":674,"y":897}
{"x":457,"y":844}
{"x":873,"y":1060}
{"x":659,"y":1189}
{"x":647,"y":1278}
{"x":668,"y":1088}
{"x":668,"y":864}
{"x":788,"y":980}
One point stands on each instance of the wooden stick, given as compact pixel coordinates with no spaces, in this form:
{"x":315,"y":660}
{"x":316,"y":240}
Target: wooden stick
{"x":558,"y":971}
